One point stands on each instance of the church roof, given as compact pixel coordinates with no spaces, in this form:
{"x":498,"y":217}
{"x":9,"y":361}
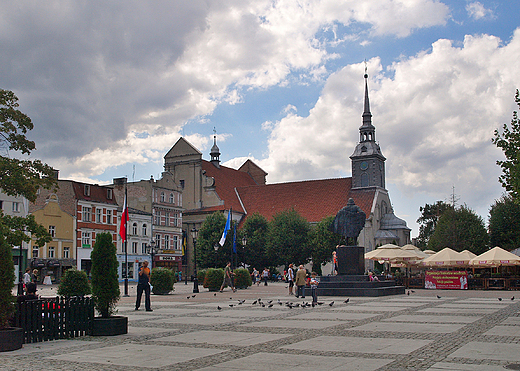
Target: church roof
{"x":313,"y":199}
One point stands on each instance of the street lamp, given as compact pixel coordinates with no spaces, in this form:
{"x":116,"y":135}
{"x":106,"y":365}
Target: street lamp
{"x":194,"y":233}
{"x":244,"y":243}
{"x":216,"y":247}
{"x":151,"y":249}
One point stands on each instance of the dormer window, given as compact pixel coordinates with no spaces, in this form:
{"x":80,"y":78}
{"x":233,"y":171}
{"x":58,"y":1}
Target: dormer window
{"x":109,"y":193}
{"x":87,"y":190}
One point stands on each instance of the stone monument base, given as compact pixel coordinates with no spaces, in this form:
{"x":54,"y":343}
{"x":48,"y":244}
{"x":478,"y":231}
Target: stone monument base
{"x":355,"y":285}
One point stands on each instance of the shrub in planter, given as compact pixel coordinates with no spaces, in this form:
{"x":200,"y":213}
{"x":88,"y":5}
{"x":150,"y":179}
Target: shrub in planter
{"x":213,"y":279}
{"x":6,"y":284}
{"x":242,"y":278}
{"x":201,"y":275}
{"x":105,"y":283}
{"x":162,"y":281}
{"x":74,"y":283}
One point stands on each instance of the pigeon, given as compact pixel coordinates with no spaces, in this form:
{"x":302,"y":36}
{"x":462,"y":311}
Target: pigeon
{"x":438,"y":297}
{"x":270,"y":306}
{"x":499,"y":299}
{"x":254,"y":302}
{"x":263,"y":305}
{"x":319,"y":303}
{"x":218,"y":307}
{"x":408,"y":293}
{"x":193,"y":296}
{"x":313,"y":304}
{"x":215,"y":294}
{"x":512,"y":298}
{"x":269,"y":302}
{"x":230,"y":298}
{"x":346,"y":301}
{"x":187,"y":297}
{"x":412,"y":291}
{"x":231,"y":305}
{"x":280,"y":303}
{"x":331,"y":303}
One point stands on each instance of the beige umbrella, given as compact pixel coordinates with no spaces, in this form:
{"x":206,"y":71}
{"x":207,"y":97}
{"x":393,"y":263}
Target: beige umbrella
{"x":445,"y":258}
{"x":420,"y":254}
{"x":390,"y":252}
{"x":429,"y":252}
{"x":467,"y":255}
{"x":495,"y":257}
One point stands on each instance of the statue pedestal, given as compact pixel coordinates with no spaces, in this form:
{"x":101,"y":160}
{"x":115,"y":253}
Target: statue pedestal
{"x":351,"y":260}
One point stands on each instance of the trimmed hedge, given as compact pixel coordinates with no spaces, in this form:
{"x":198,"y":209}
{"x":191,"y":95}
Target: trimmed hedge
{"x":74,"y":283}
{"x":162,"y":281}
{"x":201,"y":275}
{"x":213,"y":279}
{"x":242,"y":278}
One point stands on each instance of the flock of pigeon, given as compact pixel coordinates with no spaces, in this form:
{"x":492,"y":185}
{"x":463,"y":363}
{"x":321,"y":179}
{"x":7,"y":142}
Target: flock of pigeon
{"x":270,"y":304}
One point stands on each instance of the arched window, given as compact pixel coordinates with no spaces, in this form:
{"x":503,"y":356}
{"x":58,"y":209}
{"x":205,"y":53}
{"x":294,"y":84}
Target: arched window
{"x":172,"y":199}
{"x":134,"y":229}
{"x":364,"y":180}
{"x":144,"y":229}
{"x":162,"y":197}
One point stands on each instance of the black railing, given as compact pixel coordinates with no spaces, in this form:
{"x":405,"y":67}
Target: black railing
{"x":55,"y":318}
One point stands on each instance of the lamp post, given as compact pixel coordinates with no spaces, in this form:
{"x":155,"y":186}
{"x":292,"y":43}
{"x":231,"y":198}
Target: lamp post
{"x":151,"y":249}
{"x":20,"y":277}
{"x":244,"y":243}
{"x":216,"y":246}
{"x":194,"y":233}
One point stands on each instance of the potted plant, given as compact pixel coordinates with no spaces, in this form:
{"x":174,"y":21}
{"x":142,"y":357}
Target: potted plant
{"x":162,"y":281}
{"x":105,"y":288}
{"x":201,"y":274}
{"x":242,"y":278}
{"x":213,"y":279}
{"x":74,"y":283}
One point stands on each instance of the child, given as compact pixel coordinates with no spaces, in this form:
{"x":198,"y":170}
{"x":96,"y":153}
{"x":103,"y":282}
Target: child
{"x":314,"y":287}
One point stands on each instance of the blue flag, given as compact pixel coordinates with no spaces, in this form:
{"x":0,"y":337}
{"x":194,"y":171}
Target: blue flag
{"x":226,"y":229}
{"x":235,"y":239}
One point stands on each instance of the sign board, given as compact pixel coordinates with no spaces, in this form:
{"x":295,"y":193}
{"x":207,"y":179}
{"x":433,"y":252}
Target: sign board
{"x":442,"y":280}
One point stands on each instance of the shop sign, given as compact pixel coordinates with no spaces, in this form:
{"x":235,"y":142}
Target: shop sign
{"x":38,"y":263}
{"x":168,"y":258}
{"x":456,"y":280}
{"x":53,"y":263}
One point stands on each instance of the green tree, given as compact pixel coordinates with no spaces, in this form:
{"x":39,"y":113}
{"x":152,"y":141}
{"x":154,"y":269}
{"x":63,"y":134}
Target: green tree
{"x":255,"y":231}
{"x":430,"y":215}
{"x":209,"y":237}
{"x":288,"y":239}
{"x":509,"y":142}
{"x":323,"y":243}
{"x":504,"y":223}
{"x":105,"y":284}
{"x":460,"y":229}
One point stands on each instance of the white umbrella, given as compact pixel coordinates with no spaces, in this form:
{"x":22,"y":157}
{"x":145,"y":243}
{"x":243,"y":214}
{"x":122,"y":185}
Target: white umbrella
{"x":446,"y":258}
{"x":495,"y":257}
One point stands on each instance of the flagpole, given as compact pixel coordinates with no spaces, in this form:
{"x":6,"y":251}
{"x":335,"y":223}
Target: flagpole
{"x":230,"y":224}
{"x":126,"y":243}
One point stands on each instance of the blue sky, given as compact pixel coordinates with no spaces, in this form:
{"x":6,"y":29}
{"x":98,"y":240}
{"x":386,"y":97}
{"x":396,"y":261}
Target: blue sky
{"x":112,"y":85}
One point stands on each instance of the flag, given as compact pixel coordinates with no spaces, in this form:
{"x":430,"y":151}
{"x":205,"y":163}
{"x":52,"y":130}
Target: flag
{"x":124,"y":219}
{"x":235,"y":239}
{"x":184,"y":239}
{"x":226,"y":229}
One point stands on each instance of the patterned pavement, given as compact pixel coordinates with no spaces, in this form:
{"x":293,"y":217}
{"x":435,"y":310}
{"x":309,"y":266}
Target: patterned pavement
{"x":461,"y":330}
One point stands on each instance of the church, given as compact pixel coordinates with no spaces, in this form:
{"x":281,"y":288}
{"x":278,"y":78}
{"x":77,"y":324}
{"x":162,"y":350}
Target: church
{"x":208,"y":186}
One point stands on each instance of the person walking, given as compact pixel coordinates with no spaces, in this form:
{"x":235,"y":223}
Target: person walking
{"x":265,"y":276}
{"x":335,"y":263}
{"x":228,"y":278}
{"x":315,"y":281}
{"x":256,"y":274}
{"x":301,"y":281}
{"x":144,"y":285}
{"x":290,"y":278}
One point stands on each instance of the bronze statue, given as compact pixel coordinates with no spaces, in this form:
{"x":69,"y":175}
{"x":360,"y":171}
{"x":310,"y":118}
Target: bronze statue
{"x":349,"y":222}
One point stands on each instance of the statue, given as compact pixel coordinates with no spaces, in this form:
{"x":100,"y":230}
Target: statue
{"x":349,"y":221}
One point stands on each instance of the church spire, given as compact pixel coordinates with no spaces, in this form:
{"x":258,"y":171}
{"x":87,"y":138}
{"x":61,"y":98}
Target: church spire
{"x":215,"y":151}
{"x":367,"y":131}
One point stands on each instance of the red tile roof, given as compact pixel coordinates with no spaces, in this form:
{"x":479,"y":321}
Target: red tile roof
{"x":226,"y":180}
{"x":313,"y":199}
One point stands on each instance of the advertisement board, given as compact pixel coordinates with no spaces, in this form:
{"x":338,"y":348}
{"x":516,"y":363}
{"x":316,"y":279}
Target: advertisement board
{"x":455,"y":280}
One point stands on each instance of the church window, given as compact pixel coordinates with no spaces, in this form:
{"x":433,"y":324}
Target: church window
{"x":364,"y":180}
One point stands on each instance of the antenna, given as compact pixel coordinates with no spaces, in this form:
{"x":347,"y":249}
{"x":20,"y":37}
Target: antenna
{"x":133,"y":173}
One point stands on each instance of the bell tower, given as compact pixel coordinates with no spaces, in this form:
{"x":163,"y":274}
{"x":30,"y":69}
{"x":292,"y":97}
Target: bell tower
{"x":368,"y":162}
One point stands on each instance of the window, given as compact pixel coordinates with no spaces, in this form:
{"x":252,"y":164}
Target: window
{"x":182,"y":183}
{"x":158,"y":241}
{"x":109,"y":216}
{"x":51,"y":251}
{"x":16,"y":207}
{"x":85,"y":239}
{"x":166,"y":242}
{"x":175,"y":243}
{"x":1,"y":205}
{"x":66,"y":252}
{"x":87,"y":190}
{"x":52,"y":231}
{"x":364,"y":180}
{"x":134,"y":229}
{"x":172,"y":199}
{"x":86,"y":214}
{"x":35,"y":252}
{"x":109,"y":193}
{"x":134,"y":247}
{"x":157,"y":218}
{"x":143,"y":248}
{"x":98,"y":215}
{"x":162,"y":197}
{"x":144,"y":229}
{"x":167,"y":219}
{"x":176,"y":219}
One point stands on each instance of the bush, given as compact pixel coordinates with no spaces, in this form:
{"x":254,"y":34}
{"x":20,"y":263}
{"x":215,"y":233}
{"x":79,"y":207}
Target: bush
{"x":6,"y":283}
{"x":74,"y":283}
{"x":162,"y":281}
{"x":242,"y":278}
{"x":105,"y":283}
{"x":213,"y":279}
{"x":201,"y":275}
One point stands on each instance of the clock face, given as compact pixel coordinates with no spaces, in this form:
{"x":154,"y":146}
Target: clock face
{"x":363,"y":165}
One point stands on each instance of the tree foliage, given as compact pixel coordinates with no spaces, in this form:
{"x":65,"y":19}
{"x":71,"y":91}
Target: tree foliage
{"x":288,"y":239}
{"x":504,"y":223}
{"x":105,"y":284}
{"x":509,"y":142}
{"x":430,"y":215}
{"x":74,"y":283}
{"x":460,"y":229}
{"x":209,"y":236}
{"x":323,"y":243}
{"x":6,"y":284}
{"x":255,"y":231}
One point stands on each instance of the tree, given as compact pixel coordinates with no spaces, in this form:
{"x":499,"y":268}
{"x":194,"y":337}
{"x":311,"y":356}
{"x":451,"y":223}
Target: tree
{"x":430,"y":215}
{"x":255,"y":231}
{"x":209,"y":235}
{"x":504,"y":223}
{"x":288,"y":239}
{"x":460,"y":229}
{"x":323,"y":243}
{"x":509,"y":142}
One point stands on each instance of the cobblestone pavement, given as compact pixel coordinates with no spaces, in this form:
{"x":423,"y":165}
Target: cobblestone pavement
{"x":423,"y":330}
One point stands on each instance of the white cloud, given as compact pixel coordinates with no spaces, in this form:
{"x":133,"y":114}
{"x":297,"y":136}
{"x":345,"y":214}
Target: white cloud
{"x":477,"y":11}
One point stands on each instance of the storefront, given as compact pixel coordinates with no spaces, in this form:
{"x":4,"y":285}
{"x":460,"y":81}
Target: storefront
{"x":172,"y":262}
{"x":134,"y":262}
{"x":50,"y":271}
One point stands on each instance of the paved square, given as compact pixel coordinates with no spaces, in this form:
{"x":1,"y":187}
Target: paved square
{"x":294,"y":323}
{"x":421,"y":328}
{"x":503,"y":331}
{"x":447,"y":366}
{"x":512,"y":321}
{"x":49,"y":346}
{"x":275,"y":362}
{"x":369,"y":308}
{"x":201,"y":320}
{"x":432,"y":318}
{"x":359,"y":345}
{"x":334,"y":316}
{"x":494,"y":351}
{"x":223,"y":338}
{"x":456,"y":310}
{"x":137,"y":355}
{"x":245,"y":313}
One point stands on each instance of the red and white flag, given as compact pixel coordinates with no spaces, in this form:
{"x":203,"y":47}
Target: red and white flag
{"x":124,"y":219}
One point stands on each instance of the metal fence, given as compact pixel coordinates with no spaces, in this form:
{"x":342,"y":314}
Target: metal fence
{"x":55,"y":318}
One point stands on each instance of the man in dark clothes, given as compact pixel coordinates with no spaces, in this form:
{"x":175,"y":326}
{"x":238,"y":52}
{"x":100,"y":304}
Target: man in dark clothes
{"x":144,"y":285}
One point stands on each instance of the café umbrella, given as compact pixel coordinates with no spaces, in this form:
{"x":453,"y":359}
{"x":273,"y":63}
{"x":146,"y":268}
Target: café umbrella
{"x":446,"y":258}
{"x":495,"y":257}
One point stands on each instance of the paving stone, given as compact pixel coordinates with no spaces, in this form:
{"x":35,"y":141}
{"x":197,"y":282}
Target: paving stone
{"x":334,"y":316}
{"x":200,"y":320}
{"x":359,"y":345}
{"x":48,"y":347}
{"x":367,"y":308}
{"x":511,"y":321}
{"x":503,"y":331}
{"x":421,"y":328}
{"x":176,"y":311}
{"x":274,"y":361}
{"x":456,"y":310}
{"x":443,"y":366}
{"x":432,"y":318}
{"x":245,"y":313}
{"x":484,"y":350}
{"x":294,"y":323}
{"x":471,"y":306}
{"x":222,"y":338}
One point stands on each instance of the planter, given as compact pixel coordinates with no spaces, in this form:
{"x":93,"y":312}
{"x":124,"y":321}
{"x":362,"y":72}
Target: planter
{"x":11,"y":339}
{"x":110,"y":326}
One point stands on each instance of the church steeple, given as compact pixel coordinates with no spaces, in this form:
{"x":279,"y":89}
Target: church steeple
{"x":368,"y":162}
{"x":215,"y":151}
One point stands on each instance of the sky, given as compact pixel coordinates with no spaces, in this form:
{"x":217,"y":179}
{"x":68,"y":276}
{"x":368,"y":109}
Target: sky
{"x":111,"y":85}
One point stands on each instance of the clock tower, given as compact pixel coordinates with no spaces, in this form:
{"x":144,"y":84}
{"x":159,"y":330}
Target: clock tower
{"x":368,"y":163}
